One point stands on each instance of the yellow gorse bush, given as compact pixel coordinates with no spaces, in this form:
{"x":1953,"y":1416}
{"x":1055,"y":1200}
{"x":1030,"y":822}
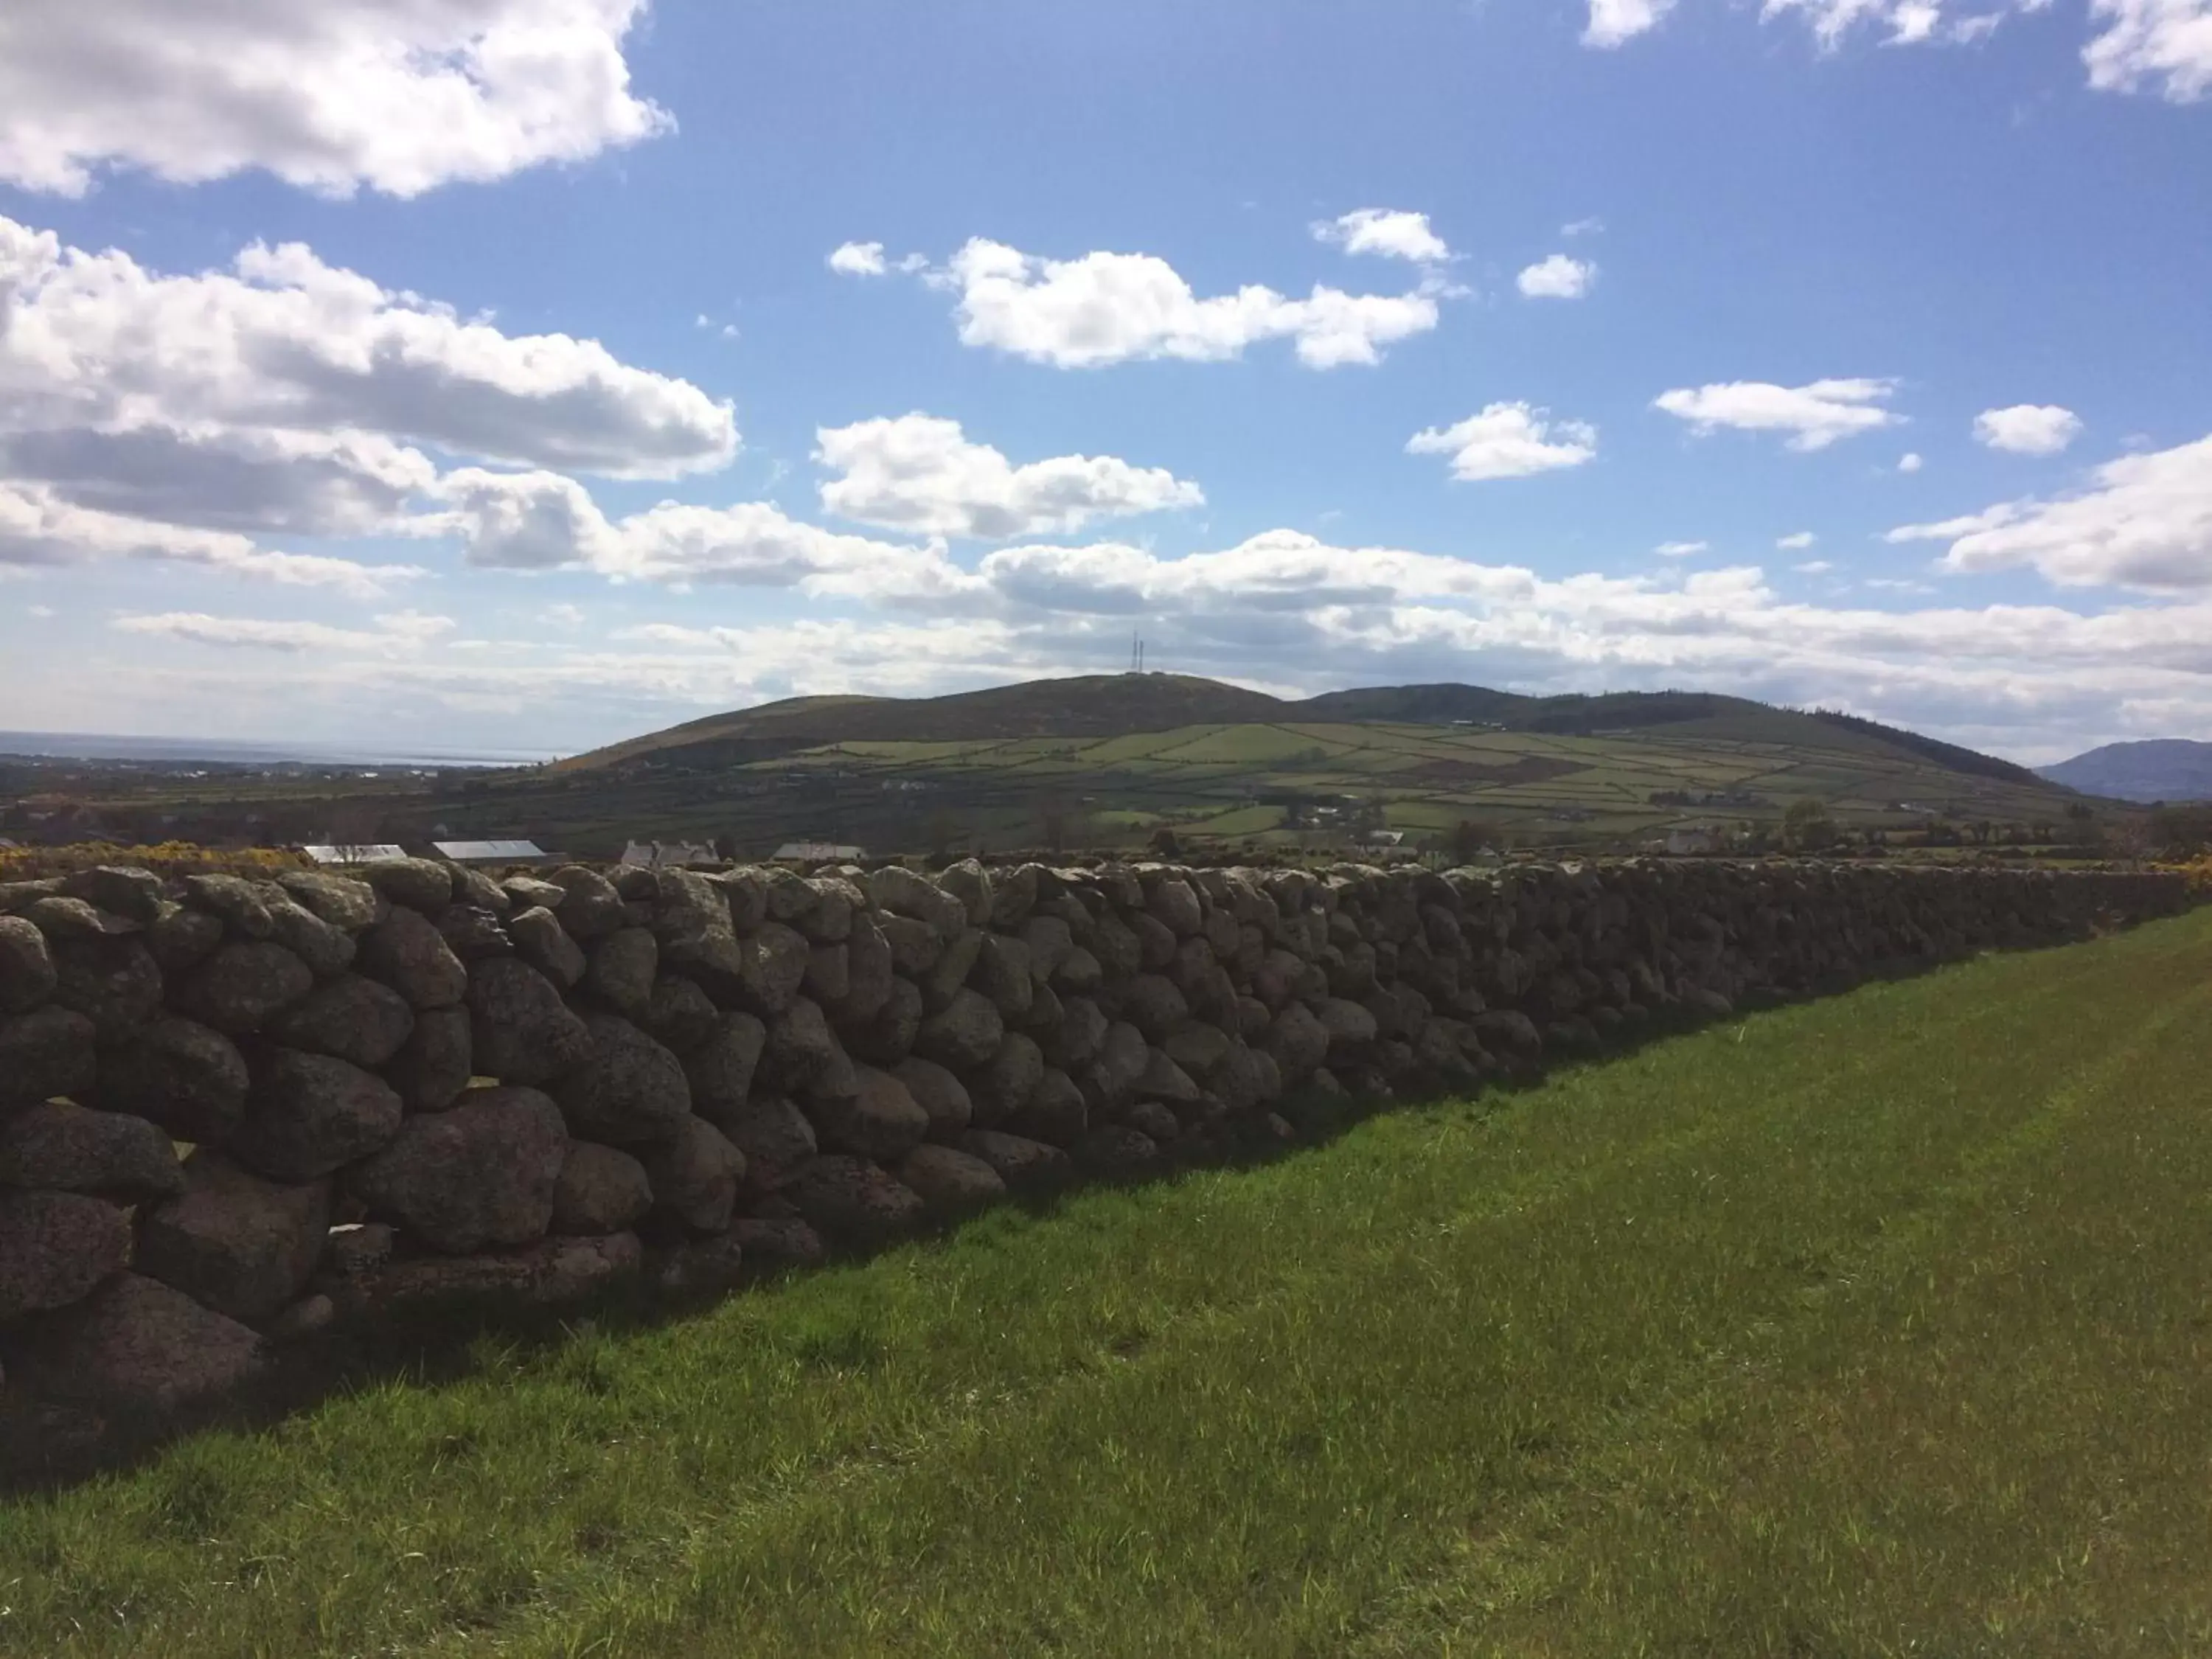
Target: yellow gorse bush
{"x":171,"y":858}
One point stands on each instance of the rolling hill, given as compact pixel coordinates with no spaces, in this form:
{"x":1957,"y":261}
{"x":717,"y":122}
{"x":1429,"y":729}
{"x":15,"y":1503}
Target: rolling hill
{"x":1106,"y":760}
{"x":2159,"y":768}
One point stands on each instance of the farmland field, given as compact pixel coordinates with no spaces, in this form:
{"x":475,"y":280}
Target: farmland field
{"x":1271,"y":785}
{"x":1866,"y":1326}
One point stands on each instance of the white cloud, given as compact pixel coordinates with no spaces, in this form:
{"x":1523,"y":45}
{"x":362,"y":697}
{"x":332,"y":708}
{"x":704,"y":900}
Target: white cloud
{"x":857,"y":259}
{"x":1591,"y":227}
{"x":1812,"y":567}
{"x":919,"y":473}
{"x":2161,"y":44}
{"x":1909,"y":462}
{"x":1796,"y":541}
{"x":2027,"y":429}
{"x":395,"y":632}
{"x":1815,"y":415}
{"x":1681,"y":550}
{"x":1391,"y":233}
{"x":546,"y":521}
{"x":152,"y":416}
{"x":562,"y":616}
{"x":1507,"y":440}
{"x":284,"y":342}
{"x":2146,"y":523}
{"x":1613,"y":22}
{"x":1557,"y":278}
{"x":329,"y":94}
{"x":1118,"y":307}
{"x":37,"y":528}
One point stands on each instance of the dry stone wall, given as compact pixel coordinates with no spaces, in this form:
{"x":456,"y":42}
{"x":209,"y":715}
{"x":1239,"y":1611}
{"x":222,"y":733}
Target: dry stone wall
{"x":234,"y":1112}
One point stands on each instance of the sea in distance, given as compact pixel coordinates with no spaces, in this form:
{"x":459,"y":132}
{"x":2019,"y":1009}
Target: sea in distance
{"x":180,"y":751}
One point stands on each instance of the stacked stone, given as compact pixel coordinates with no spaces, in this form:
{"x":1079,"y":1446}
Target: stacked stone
{"x":235,"y":1111}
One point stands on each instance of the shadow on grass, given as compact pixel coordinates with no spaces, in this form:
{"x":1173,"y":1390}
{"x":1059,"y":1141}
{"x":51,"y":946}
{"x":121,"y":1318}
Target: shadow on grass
{"x":47,"y":1447}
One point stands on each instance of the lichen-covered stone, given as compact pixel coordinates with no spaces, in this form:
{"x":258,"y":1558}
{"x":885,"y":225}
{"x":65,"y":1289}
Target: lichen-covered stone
{"x":55,"y":1248}
{"x":720,"y":1071}
{"x":306,"y":1114}
{"x":950,"y":1182}
{"x":695,"y":1174}
{"x":49,"y":1051}
{"x":879,"y":1119}
{"x":27,"y":966}
{"x":965,"y":1035}
{"x":1023,"y":1164}
{"x":942,"y":1097}
{"x":186,"y":1077}
{"x":420,"y":884}
{"x":628,"y":1089}
{"x":243,"y":1245}
{"x":775,"y":1137}
{"x":592,"y":906}
{"x":242,"y":904}
{"x":327,"y":949}
{"x":139,"y":1348}
{"x":113,"y":982}
{"x":520,"y":1029}
{"x":134,"y":895}
{"x":434,"y":1064}
{"x":852,"y":1200}
{"x":181,"y":937}
{"x":70,"y":1148}
{"x":406,"y":951}
{"x":679,"y":1015}
{"x":242,"y":985}
{"x":542,"y":942}
{"x":478,"y":1175}
{"x":622,"y":968}
{"x":602,"y":1189}
{"x":353,"y":1018}
{"x":339,"y":900}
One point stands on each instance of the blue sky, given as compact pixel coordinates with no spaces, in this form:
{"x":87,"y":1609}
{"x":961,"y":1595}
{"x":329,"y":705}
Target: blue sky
{"x":489,"y":372}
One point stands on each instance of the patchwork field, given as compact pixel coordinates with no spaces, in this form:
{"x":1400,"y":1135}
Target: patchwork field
{"x":1276,"y":784}
{"x":1867,"y":1327}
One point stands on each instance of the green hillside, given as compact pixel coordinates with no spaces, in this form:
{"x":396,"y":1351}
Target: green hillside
{"x":1106,"y":761}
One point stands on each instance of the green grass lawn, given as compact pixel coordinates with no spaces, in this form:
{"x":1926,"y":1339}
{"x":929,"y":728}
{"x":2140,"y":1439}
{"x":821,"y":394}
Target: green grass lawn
{"x":1877,"y":1326}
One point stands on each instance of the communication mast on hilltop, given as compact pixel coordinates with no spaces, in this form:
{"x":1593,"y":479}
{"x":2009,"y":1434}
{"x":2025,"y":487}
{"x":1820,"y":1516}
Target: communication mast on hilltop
{"x":1136,"y":653}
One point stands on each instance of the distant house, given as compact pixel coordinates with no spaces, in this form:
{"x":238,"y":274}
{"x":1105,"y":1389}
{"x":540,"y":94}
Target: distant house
{"x":668,"y":855}
{"x":490,"y":852}
{"x":1692,"y":839}
{"x":817,"y":852}
{"x":360,"y":853}
{"x":1382,"y":838}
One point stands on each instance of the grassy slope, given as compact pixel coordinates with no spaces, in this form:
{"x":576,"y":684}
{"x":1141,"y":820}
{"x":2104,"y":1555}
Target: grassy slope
{"x":1867,"y":1327}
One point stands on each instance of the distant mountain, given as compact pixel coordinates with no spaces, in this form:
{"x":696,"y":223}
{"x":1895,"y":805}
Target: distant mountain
{"x":2158,"y":769}
{"x":1113,"y":705}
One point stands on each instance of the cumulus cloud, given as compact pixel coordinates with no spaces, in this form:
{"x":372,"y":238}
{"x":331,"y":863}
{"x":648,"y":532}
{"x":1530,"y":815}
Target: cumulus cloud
{"x":547,"y":521}
{"x":857,"y":259}
{"x":1813,"y":415}
{"x":1556,"y":277}
{"x":39,"y":528}
{"x":331,"y":95}
{"x":1615,"y":22}
{"x":2027,"y":429}
{"x":2161,"y":44}
{"x":1120,"y":307}
{"x":1909,"y":462}
{"x":1391,"y":233}
{"x":1681,"y":550}
{"x":1796,"y":541}
{"x":2145,"y":523}
{"x":395,"y":632}
{"x":1292,"y":612}
{"x":920,"y":473}
{"x":140,"y":410}
{"x":1507,"y":440}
